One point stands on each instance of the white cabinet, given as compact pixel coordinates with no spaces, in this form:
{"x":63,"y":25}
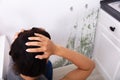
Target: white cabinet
{"x":107,"y":46}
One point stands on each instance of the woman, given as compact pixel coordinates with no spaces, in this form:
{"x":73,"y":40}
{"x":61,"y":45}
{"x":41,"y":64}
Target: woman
{"x":84,"y":65}
{"x":24,"y":65}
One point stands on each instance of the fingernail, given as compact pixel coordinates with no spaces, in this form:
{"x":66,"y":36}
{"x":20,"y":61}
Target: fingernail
{"x":38,"y":57}
{"x":26,"y":43}
{"x":36,"y":33}
{"x":27,"y":50}
{"x":29,"y":38}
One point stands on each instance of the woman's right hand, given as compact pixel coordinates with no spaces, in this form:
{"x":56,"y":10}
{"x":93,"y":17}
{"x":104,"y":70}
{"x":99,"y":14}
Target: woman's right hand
{"x":16,"y":34}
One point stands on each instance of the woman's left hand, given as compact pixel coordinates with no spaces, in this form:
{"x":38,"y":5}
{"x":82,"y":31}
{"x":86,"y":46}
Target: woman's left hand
{"x":45,"y":45}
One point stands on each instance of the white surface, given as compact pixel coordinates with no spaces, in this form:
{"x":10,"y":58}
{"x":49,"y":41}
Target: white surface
{"x":107,"y":47}
{"x":1,"y":54}
{"x":53,"y":15}
{"x":115,"y":5}
{"x":4,"y":56}
{"x":60,"y":72}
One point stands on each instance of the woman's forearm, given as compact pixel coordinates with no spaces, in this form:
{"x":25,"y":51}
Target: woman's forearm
{"x":78,"y":59}
{"x":84,"y":64}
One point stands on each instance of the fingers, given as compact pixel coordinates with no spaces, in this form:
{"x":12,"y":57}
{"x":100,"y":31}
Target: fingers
{"x":44,"y":43}
{"x":42,"y":29}
{"x":17,"y":33}
{"x":38,"y":37}
{"x":33,"y":44}
{"x":41,"y":49}
{"x":40,"y":44}
{"x":34,"y":38}
{"x":22,"y":30}
{"x":34,"y":50}
{"x":44,"y":56}
{"x":42,"y":37}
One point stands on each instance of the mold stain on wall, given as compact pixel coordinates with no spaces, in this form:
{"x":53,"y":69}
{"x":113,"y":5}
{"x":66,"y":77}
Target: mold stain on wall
{"x":82,"y":36}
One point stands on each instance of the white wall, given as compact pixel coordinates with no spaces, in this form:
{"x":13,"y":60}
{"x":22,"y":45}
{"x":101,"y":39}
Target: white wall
{"x":53,"y":15}
{"x":58,"y":17}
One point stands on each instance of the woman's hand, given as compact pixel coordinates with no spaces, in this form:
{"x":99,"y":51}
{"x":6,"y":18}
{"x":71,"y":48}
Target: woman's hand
{"x":22,"y":30}
{"x":45,"y":45}
{"x":17,"y":33}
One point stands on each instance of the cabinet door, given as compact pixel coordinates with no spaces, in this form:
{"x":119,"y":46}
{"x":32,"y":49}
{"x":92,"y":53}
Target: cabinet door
{"x":106,"y":53}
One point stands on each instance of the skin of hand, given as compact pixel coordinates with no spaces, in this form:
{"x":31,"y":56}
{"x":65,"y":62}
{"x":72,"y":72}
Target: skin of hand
{"x":17,"y":33}
{"x":46,"y":46}
{"x":84,"y":64}
{"x":44,"y":42}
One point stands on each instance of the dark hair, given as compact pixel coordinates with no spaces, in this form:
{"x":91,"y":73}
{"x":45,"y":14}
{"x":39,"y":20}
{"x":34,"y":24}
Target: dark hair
{"x":25,"y":63}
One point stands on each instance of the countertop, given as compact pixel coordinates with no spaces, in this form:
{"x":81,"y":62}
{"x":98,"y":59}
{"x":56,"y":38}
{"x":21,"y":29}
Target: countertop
{"x":110,"y":10}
